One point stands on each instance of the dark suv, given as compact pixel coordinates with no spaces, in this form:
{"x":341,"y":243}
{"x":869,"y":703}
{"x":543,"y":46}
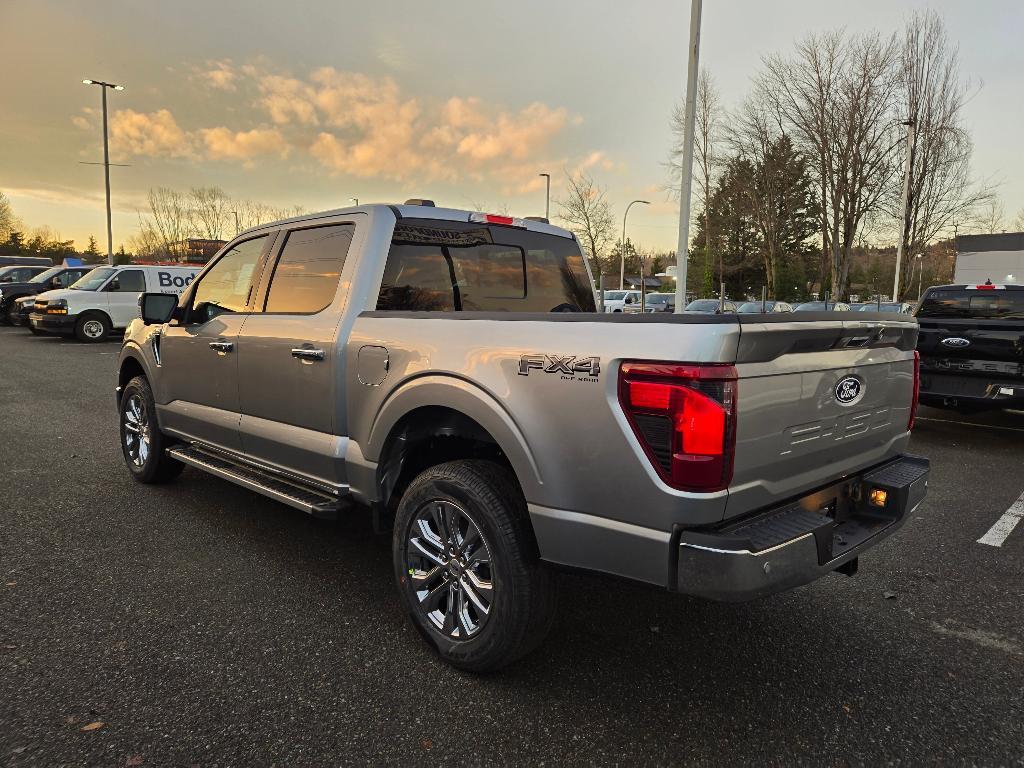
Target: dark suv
{"x":972,"y":346}
{"x":52,"y":278}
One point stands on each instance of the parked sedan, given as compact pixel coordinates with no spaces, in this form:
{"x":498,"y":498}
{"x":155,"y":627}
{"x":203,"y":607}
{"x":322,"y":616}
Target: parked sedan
{"x":821,"y":306}
{"x":899,"y":307}
{"x":711,"y":306}
{"x":758,"y":307}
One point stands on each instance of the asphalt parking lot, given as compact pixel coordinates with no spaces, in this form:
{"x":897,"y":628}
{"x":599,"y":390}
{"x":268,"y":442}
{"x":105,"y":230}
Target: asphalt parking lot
{"x":202,"y":624}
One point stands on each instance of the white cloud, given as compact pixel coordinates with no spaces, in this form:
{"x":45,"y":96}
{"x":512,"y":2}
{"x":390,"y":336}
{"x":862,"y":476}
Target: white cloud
{"x":224,"y":144}
{"x":154,"y":134}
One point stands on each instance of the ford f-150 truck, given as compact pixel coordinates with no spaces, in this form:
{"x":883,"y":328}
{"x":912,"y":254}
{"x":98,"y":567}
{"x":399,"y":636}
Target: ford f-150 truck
{"x":972,"y":346}
{"x":449,"y":371}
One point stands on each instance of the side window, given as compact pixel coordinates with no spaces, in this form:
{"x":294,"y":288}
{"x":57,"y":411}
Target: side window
{"x":306,"y":275}
{"x":417,"y":279}
{"x":228,"y":284}
{"x":128,"y":281}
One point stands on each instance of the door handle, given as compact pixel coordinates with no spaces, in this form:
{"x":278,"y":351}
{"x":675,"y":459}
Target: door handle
{"x":222,"y":346}
{"x":308,"y":354}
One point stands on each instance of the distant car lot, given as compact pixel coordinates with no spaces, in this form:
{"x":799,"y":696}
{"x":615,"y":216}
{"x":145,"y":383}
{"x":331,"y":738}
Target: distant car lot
{"x":203,"y":623}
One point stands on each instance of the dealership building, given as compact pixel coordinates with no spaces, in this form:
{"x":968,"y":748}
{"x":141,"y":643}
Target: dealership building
{"x":999,"y":258}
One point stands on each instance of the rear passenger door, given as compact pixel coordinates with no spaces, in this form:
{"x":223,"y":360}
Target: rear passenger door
{"x":123,"y":296}
{"x":288,"y":366}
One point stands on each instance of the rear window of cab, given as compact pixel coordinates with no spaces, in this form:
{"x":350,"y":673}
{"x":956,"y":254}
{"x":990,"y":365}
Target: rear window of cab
{"x":998,"y":304}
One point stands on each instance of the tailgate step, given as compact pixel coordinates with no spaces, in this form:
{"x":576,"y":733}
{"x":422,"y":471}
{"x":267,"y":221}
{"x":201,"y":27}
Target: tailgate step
{"x":780,"y":527}
{"x":315,"y":501}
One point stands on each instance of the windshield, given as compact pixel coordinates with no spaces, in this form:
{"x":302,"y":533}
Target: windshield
{"x":885,"y":306}
{"x":959,"y":302}
{"x":45,"y":277}
{"x":703,"y":305}
{"x":6,"y":271}
{"x":659,"y":298}
{"x":91,"y":281}
{"x":614,"y":295}
{"x":754,"y":307}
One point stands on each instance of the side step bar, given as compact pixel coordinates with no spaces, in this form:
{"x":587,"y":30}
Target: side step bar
{"x":315,"y":501}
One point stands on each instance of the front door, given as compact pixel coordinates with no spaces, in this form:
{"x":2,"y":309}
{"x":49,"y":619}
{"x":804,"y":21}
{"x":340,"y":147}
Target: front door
{"x":198,"y":394}
{"x":122,"y":294}
{"x":288,"y":368}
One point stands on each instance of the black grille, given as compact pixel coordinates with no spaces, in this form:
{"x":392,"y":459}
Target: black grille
{"x":657,"y":433}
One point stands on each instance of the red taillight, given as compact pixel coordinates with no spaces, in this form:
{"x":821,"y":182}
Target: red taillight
{"x":987,"y":287}
{"x":917,"y":390}
{"x":685,"y":419}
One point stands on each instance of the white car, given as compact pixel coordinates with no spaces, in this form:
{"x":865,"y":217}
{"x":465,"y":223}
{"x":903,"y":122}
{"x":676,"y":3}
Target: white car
{"x":104,"y":299}
{"x":621,"y":301}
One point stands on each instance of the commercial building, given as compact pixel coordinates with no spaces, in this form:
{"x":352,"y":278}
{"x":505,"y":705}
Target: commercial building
{"x":999,"y":258}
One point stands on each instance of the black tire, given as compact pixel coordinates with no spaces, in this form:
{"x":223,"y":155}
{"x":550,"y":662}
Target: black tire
{"x":92,"y":327}
{"x":523,"y":595}
{"x":144,"y":451}
{"x":11,"y":311}
{"x":36,"y":331}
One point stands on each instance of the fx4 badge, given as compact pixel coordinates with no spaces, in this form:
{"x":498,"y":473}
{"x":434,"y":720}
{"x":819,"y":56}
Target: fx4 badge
{"x":567,"y":366}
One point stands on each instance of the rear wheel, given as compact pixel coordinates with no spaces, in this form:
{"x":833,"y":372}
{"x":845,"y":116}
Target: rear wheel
{"x":92,"y":327}
{"x":142,"y":442}
{"x":12,"y":313}
{"x":468,"y":568}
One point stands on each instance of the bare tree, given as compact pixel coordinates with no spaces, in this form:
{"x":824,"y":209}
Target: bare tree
{"x":210,"y":212}
{"x":933,"y":96}
{"x":146,"y":243}
{"x":836,"y":96}
{"x":587,"y":213}
{"x":1018,"y":222}
{"x":991,"y":218}
{"x":8,"y":221}
{"x":706,"y":136}
{"x":171,"y":219}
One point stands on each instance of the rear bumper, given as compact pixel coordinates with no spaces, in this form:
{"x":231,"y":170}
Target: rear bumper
{"x":785,"y":547}
{"x":974,"y":390}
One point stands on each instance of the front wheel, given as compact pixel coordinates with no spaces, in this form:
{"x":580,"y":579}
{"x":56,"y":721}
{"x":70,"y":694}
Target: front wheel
{"x":142,"y":442}
{"x":467,"y":565}
{"x":92,"y":327}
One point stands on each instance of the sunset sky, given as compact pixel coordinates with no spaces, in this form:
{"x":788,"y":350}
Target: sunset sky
{"x":311,"y":103}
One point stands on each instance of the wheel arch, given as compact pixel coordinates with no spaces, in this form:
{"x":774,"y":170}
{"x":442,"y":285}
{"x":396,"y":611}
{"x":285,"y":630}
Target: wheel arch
{"x":436,"y":419}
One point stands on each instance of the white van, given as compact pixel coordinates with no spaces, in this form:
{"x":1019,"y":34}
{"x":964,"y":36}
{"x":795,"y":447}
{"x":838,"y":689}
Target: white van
{"x":104,"y":299}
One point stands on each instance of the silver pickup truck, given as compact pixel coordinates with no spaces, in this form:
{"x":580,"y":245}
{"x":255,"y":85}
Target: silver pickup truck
{"x":448,"y":371}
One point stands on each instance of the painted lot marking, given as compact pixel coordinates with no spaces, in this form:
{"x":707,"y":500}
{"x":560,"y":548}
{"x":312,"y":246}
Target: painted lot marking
{"x":971,"y":424}
{"x":1004,"y":525}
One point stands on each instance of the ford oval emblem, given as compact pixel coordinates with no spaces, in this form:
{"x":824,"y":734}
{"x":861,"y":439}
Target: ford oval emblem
{"x":849,"y":390}
{"x":956,"y":341}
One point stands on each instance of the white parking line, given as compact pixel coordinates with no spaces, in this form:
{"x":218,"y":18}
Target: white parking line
{"x":1004,"y":525}
{"x":971,"y":424}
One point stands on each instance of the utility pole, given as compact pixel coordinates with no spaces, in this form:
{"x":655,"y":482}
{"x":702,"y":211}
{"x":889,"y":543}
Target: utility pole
{"x":547,"y":196}
{"x":106,"y":161}
{"x":693,"y":67}
{"x":911,"y":137}
{"x":237,"y":227}
{"x":622,"y":261}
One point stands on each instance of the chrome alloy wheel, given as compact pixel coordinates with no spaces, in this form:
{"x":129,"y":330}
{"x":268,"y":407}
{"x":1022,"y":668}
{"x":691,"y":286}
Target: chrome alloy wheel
{"x":136,"y":433}
{"x":449,"y":567}
{"x":92,"y":329}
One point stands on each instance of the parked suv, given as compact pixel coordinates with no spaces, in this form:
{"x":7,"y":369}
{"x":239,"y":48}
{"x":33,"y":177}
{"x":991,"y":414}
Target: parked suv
{"x":40,"y":280}
{"x":448,"y":370}
{"x":972,"y":346}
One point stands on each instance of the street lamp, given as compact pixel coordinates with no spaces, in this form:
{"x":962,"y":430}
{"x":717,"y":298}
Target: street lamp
{"x":920,"y":276}
{"x":354,"y":200}
{"x":622,"y":265}
{"x":106,"y":160}
{"x":547,"y":196}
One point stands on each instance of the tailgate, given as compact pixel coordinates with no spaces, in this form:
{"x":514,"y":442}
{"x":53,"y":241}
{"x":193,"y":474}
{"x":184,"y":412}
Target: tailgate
{"x":818,"y":399}
{"x":972,"y":347}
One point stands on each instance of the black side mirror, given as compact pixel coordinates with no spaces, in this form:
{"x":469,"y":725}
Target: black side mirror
{"x":56,"y":283}
{"x":157,"y":308}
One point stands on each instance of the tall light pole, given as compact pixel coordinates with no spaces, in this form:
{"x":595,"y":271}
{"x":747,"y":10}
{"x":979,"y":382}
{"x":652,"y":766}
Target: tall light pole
{"x":354,"y":200}
{"x":622,"y":261}
{"x":547,"y":196}
{"x":906,"y":204}
{"x":106,"y":160}
{"x":920,"y":276}
{"x":690,"y":114}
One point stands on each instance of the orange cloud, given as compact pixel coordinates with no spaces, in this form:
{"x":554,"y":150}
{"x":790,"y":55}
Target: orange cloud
{"x":224,"y":144}
{"x":154,"y":133}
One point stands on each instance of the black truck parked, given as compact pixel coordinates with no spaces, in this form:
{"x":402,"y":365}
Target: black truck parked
{"x":52,"y":278}
{"x":972,"y":346}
